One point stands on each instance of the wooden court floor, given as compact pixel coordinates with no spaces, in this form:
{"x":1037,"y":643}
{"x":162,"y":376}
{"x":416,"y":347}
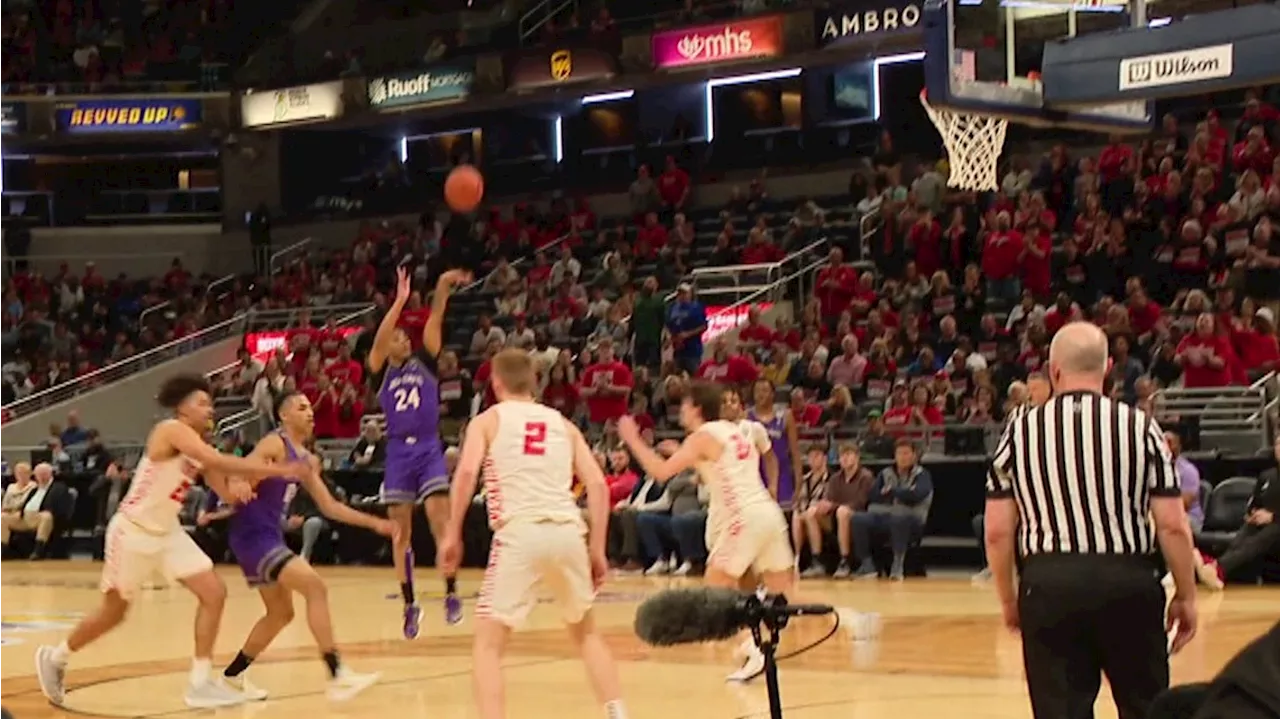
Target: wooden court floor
{"x":943,"y":652}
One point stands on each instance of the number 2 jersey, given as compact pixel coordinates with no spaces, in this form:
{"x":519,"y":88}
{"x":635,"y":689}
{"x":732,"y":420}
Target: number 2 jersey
{"x":156,"y":494}
{"x":528,"y":473}
{"x":733,"y":481}
{"x":410,"y":398}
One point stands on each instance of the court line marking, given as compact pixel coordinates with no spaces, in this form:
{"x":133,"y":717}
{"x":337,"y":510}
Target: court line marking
{"x":273,"y":697}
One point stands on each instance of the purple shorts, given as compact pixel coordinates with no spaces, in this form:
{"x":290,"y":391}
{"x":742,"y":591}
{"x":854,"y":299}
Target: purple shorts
{"x":261,"y":554}
{"x":414,"y":471}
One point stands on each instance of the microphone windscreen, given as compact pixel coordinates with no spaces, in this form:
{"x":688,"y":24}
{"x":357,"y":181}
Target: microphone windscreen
{"x":690,"y":615}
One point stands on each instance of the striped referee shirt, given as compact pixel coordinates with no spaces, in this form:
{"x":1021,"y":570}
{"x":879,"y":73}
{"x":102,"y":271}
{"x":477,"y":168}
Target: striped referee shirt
{"x":1082,"y":469}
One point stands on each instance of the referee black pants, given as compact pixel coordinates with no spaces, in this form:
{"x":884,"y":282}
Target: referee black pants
{"x":1084,"y":616}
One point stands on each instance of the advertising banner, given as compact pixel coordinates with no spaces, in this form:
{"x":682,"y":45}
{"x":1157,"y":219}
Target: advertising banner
{"x":84,"y":117}
{"x":1176,"y":68}
{"x":292,"y":104}
{"x":552,"y":65}
{"x":722,"y":318}
{"x":451,"y":81}
{"x":722,"y":42}
{"x":850,"y":22}
{"x":262,"y":344}
{"x":15,"y":118}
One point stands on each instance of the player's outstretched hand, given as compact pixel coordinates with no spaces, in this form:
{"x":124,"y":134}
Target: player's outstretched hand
{"x":239,"y":491}
{"x":449,"y":556}
{"x":628,"y":430}
{"x":599,"y":570}
{"x":403,"y":283}
{"x":454,"y":278}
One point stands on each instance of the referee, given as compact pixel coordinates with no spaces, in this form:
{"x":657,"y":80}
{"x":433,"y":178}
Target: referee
{"x":1070,"y":492}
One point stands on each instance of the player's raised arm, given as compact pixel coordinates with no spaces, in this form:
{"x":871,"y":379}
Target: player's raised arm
{"x":698,"y":447}
{"x":189,"y":442}
{"x":382,"y":339}
{"x":591,"y":475}
{"x":433,"y":332}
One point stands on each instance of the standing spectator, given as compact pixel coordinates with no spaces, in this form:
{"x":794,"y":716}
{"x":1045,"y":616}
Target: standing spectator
{"x":1204,"y":355}
{"x":836,"y":284}
{"x":1001,"y":258}
{"x":673,"y":187}
{"x":606,"y":385}
{"x":646,"y":324}
{"x":686,"y":321}
{"x":643,"y":194}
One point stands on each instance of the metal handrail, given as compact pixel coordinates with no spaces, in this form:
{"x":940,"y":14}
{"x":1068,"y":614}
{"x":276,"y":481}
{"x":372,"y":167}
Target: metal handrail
{"x":235,"y":421}
{"x":271,"y":261}
{"x":225,"y":279}
{"x":865,"y":232}
{"x":125,"y":367}
{"x":771,"y":265}
{"x":515,"y":263}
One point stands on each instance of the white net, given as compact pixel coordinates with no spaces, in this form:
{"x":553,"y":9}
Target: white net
{"x":973,"y":144}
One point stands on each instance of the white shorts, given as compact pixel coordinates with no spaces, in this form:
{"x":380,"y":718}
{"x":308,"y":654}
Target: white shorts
{"x":756,"y":538}
{"x":135,"y":556}
{"x":526,"y":554}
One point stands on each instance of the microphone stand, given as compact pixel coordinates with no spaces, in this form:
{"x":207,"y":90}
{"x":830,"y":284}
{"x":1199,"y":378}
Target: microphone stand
{"x":771,"y":617}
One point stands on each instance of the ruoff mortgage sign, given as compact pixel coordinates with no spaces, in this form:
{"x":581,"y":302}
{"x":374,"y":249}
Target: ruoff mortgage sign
{"x":436,"y":84}
{"x":852,"y":22}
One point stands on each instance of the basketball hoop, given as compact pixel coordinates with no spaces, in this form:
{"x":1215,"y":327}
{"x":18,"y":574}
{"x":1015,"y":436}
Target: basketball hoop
{"x":973,"y":144}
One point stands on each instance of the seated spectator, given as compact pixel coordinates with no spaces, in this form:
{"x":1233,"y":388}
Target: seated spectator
{"x":626,"y":495}
{"x":899,"y":505}
{"x":810,"y":490}
{"x":682,"y":527}
{"x":303,"y":519}
{"x":847,"y":493}
{"x":1188,"y":480}
{"x":18,"y":492}
{"x":371,"y":451}
{"x":48,"y":504}
{"x":1260,"y":535}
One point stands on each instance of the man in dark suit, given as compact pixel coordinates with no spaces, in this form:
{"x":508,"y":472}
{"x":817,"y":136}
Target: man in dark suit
{"x":107,"y":492}
{"x":49,"y":505}
{"x":1260,"y":536}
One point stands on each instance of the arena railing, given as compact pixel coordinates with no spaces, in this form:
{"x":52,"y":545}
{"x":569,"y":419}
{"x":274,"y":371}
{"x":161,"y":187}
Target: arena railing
{"x":518,"y":262}
{"x":868,"y":225}
{"x":124,"y":368}
{"x":737,"y":279}
{"x":274,"y":263}
{"x":221,"y":281}
{"x":1231,"y":419}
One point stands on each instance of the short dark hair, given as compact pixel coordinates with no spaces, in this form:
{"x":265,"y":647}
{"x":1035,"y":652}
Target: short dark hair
{"x":178,"y":388}
{"x":904,"y":442}
{"x":707,"y":397}
{"x":285,"y":398}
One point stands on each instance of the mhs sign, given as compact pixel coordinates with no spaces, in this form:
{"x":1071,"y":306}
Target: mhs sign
{"x":849,"y":24}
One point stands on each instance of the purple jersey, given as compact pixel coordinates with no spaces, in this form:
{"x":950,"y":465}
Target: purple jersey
{"x":410,"y":399}
{"x":256,"y":533}
{"x":777,"y":429}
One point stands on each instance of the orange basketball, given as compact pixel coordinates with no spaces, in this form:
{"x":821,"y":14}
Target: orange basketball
{"x":464,"y":188}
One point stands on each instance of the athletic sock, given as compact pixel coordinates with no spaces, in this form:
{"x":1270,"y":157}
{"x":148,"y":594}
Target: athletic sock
{"x":61,"y":653}
{"x":200,"y":669}
{"x":615,"y":709}
{"x":238,"y":665}
{"x":406,"y":590}
{"x":450,"y":585}
{"x":331,"y":661}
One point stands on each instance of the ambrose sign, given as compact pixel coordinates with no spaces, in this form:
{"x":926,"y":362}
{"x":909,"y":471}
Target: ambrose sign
{"x":758,"y":37}
{"x":852,"y":23}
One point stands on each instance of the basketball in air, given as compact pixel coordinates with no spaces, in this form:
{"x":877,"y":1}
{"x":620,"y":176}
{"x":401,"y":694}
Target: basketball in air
{"x":464,"y":188}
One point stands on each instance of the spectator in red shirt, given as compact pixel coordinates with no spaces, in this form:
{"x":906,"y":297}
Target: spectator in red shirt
{"x":1037,"y":259}
{"x":1001,"y":260}
{"x":1253,"y":153}
{"x":1204,"y":356}
{"x":925,"y":237}
{"x":835,"y":285}
{"x":343,"y":369}
{"x":325,"y":408}
{"x":621,"y":479}
{"x":350,"y":411}
{"x":1062,"y":312}
{"x":760,"y":249}
{"x":560,"y":394}
{"x":1258,"y":349}
{"x":606,"y":385}
{"x":754,"y":334}
{"x":651,"y":237}
{"x":726,"y":366}
{"x":806,"y":413}
{"x":1113,"y":158}
{"x":673,"y":186}
{"x":1143,"y":312}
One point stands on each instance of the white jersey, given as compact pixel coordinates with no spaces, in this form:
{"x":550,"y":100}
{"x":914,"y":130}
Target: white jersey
{"x":528,"y":475}
{"x":757,"y":435}
{"x":156,"y":494}
{"x":733,"y":480}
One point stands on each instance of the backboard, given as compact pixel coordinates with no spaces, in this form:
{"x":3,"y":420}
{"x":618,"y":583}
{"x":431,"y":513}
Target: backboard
{"x":983,"y":57}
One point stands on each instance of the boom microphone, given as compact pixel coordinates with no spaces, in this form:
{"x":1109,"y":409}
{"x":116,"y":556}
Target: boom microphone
{"x":708,"y":614}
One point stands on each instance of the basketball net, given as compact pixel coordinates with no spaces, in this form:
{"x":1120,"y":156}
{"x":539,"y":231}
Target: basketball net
{"x":973,"y":144}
